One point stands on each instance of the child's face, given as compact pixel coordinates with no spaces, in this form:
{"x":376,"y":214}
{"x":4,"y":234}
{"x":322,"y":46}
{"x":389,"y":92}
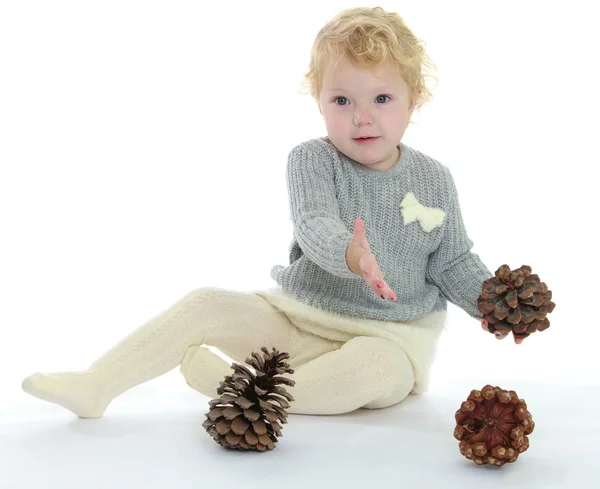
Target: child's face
{"x":358,"y":102}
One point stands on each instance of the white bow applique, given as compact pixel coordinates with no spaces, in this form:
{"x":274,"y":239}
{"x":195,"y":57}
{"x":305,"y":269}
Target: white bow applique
{"x":428,"y":217}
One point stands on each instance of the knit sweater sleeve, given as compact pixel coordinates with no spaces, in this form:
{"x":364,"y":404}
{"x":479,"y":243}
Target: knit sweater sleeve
{"x":315,"y":214}
{"x":453,"y":267}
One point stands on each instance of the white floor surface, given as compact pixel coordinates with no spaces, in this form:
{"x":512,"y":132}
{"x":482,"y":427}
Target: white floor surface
{"x":151,"y":437}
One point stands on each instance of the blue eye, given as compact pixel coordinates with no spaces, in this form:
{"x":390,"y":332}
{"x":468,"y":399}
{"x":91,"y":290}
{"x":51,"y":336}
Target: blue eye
{"x":379,"y":96}
{"x":340,"y":98}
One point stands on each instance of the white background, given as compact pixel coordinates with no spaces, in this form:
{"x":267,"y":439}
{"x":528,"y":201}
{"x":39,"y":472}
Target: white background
{"x":143,"y":148}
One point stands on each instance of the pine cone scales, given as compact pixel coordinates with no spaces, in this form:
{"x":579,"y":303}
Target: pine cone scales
{"x":515,"y":301}
{"x":251,"y":409}
{"x":492,"y":426}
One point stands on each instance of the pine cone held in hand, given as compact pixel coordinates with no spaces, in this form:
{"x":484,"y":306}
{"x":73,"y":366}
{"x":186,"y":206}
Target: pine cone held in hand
{"x":248,"y":414}
{"x":492,"y":426}
{"x":515,"y":301}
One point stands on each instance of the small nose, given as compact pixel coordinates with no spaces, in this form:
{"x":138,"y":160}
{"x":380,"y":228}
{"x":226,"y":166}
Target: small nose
{"x":362,"y":117}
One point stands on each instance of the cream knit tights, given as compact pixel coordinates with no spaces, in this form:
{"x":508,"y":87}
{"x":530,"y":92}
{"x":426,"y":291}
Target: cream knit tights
{"x":331,"y":377}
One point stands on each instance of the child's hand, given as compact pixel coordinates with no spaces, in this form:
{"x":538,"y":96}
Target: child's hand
{"x":361,"y":261}
{"x":499,"y":335}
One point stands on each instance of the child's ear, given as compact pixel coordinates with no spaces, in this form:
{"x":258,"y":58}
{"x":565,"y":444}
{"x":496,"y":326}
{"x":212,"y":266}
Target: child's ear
{"x":413,"y":102}
{"x":411,"y":107}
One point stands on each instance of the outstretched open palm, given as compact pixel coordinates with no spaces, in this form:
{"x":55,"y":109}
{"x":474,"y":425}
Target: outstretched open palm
{"x":369,"y":269}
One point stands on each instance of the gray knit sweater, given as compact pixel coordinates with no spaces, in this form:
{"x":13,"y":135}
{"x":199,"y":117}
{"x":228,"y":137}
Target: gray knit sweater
{"x":413,"y":224}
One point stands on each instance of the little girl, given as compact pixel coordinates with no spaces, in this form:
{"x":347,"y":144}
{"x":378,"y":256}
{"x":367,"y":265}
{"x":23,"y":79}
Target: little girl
{"x":379,"y":247}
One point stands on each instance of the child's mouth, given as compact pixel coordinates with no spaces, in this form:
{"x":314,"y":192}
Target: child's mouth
{"x":365,"y":140}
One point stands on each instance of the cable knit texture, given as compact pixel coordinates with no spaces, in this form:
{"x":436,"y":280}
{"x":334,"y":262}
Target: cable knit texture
{"x":340,"y":364}
{"x":413,"y":223}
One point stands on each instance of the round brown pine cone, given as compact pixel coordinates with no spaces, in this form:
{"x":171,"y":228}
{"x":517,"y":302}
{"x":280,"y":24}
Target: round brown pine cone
{"x":248,"y":414}
{"x":515,"y":300}
{"x":492,"y":426}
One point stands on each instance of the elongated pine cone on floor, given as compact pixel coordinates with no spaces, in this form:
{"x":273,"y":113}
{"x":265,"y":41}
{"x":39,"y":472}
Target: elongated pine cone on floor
{"x":248,"y":414}
{"x":515,"y":300}
{"x":492,"y":426}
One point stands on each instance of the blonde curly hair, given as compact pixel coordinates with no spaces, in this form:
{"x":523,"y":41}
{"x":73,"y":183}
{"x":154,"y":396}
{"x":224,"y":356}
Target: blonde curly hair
{"x":369,"y":37}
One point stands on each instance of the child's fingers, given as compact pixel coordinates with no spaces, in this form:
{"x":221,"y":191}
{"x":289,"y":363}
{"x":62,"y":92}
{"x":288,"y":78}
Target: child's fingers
{"x":385,"y":292}
{"x":359,"y":227}
{"x":374,"y":278}
{"x":499,"y":335}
